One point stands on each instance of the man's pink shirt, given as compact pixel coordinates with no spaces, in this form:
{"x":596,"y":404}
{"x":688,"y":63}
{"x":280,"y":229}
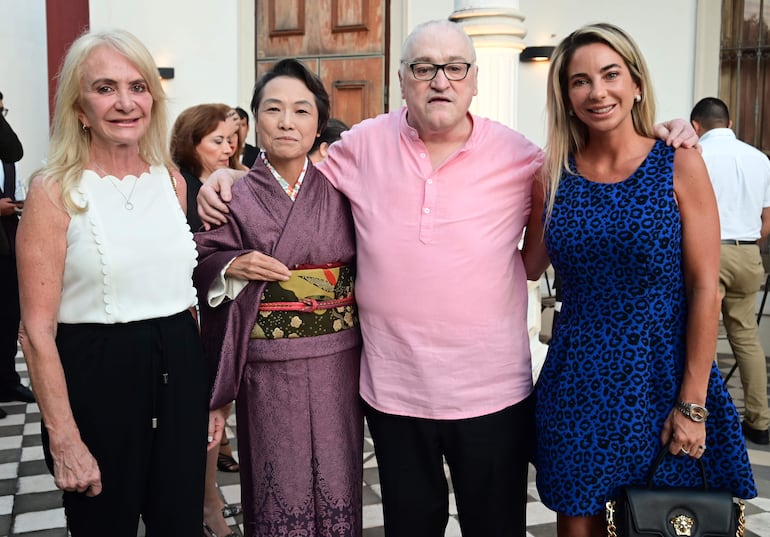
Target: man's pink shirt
{"x":440,"y":285}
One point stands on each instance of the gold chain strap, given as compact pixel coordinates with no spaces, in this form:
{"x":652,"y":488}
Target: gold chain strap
{"x":612,"y":531}
{"x":741,"y":519}
{"x":173,"y":179}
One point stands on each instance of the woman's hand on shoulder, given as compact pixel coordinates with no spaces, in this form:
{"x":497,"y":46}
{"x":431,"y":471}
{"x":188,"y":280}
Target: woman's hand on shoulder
{"x":257,"y":266}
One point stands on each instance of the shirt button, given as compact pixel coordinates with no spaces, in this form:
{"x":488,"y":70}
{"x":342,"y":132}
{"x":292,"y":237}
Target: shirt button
{"x":426,"y":210}
{"x":422,"y":155}
{"x":430,"y":181}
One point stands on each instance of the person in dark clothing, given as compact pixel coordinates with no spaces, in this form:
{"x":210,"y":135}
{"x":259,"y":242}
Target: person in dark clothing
{"x":11,"y":151}
{"x":250,"y":153}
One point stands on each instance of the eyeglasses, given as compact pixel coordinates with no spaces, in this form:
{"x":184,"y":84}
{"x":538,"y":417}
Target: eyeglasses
{"x":427,"y":71}
{"x":4,"y":111}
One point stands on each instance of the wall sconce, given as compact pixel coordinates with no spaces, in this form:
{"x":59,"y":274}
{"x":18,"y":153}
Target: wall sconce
{"x":536,"y":54}
{"x":166,"y":73}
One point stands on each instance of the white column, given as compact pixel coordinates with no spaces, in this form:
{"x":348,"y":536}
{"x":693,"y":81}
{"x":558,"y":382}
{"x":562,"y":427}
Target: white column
{"x":497,"y":30}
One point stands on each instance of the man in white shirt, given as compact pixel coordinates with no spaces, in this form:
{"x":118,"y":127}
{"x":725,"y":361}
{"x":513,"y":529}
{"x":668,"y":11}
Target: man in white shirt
{"x":740,"y":175}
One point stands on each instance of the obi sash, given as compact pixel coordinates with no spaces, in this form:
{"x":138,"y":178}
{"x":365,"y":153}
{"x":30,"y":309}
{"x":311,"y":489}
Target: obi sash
{"x":316,"y":300}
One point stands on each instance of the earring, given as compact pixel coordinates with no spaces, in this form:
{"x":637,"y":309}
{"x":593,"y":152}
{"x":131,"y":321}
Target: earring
{"x":85,"y":127}
{"x":570,"y":112}
{"x":638,"y":98}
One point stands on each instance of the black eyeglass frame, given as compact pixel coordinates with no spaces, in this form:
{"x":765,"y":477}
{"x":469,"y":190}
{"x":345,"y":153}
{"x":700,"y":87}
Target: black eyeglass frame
{"x":436,"y":67}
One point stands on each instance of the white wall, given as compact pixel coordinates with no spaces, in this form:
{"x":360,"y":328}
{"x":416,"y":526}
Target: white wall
{"x":201,"y":40}
{"x":404,"y":16}
{"x":24,"y":77}
{"x":198,"y":39}
{"x":664,"y":30}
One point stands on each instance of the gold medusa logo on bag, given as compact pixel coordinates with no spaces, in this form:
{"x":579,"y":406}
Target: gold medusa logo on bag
{"x":682,"y":525}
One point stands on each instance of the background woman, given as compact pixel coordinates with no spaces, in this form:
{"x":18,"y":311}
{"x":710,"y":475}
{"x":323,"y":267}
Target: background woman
{"x":203,"y":140}
{"x":106,"y":258}
{"x":631,"y":227}
{"x":287,"y":341}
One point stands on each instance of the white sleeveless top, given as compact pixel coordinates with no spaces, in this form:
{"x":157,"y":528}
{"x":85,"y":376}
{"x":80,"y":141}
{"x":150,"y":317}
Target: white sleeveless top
{"x":127,"y":265}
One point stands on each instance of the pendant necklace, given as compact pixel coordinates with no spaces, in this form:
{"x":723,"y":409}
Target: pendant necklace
{"x":129,"y":206}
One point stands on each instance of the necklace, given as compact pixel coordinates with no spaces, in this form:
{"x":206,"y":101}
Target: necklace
{"x":129,"y":206}
{"x":290,"y":190}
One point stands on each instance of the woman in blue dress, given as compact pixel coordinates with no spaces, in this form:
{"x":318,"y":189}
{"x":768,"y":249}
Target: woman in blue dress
{"x":631,"y":226}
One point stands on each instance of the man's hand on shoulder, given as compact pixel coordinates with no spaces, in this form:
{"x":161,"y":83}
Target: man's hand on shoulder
{"x":215,"y":194}
{"x":677,"y":133}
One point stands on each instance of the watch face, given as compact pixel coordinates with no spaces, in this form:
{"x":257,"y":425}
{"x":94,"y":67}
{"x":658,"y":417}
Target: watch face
{"x":698,"y":413}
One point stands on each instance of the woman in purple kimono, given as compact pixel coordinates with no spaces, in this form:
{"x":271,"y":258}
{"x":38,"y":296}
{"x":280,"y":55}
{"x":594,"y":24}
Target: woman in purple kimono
{"x":275,"y":286}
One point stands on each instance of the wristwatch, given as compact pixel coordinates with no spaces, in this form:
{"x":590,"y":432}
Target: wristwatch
{"x":693,"y":411}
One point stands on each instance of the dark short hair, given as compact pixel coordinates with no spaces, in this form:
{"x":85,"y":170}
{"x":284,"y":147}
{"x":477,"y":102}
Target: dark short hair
{"x":711,"y":113}
{"x":294,"y":69}
{"x":1,"y":95}
{"x":243,"y":114}
{"x":331,"y":133}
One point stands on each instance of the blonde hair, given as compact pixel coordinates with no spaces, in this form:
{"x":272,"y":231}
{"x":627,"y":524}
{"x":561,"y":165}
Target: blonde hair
{"x":68,"y":152}
{"x":567,"y":134}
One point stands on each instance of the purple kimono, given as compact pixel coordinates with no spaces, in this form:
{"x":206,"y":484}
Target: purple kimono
{"x":299,"y":419}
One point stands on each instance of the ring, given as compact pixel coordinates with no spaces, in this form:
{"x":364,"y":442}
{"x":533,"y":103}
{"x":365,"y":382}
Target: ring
{"x":683,"y":451}
{"x":702,"y":448}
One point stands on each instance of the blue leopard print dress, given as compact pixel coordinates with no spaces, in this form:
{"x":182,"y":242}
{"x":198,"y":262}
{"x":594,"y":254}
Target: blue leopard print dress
{"x":615,"y":362}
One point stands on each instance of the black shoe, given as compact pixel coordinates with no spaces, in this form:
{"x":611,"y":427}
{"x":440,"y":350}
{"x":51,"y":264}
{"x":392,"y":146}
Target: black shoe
{"x":3,"y":414}
{"x":17,"y":393}
{"x":755,"y":435}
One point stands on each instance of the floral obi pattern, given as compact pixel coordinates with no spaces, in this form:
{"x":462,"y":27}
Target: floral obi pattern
{"x":316,"y":300}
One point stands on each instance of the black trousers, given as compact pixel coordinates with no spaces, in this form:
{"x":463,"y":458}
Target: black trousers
{"x":488,"y":460}
{"x":9,"y":321}
{"x":139,"y":394}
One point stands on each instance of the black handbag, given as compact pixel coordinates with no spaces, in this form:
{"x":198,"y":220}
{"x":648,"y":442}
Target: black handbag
{"x":674,"y":512}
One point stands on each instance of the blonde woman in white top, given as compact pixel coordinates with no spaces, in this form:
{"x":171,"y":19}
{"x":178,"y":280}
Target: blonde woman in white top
{"x":106,"y":259}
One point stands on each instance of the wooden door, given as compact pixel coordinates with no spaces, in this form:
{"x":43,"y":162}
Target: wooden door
{"x":343,"y":41}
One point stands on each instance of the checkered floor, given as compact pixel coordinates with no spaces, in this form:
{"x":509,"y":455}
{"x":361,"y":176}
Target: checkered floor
{"x":30,"y":505}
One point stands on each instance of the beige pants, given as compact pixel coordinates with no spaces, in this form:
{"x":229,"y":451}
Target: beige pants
{"x":740,"y":277}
